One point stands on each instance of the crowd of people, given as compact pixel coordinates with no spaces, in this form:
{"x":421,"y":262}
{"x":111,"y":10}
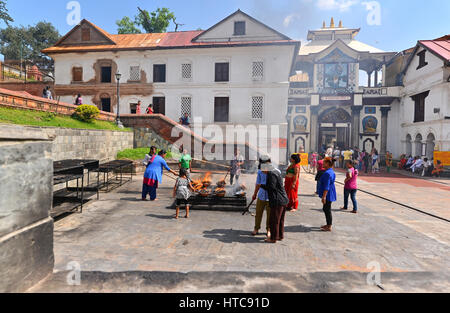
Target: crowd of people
{"x":275,"y":196}
{"x":423,"y":167}
{"x":362,"y":160}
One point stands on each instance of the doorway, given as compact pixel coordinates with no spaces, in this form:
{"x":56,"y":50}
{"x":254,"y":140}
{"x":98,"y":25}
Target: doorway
{"x":106,"y":104}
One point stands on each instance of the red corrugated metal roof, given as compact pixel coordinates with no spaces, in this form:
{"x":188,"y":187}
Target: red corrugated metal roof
{"x":152,"y":41}
{"x":440,"y":46}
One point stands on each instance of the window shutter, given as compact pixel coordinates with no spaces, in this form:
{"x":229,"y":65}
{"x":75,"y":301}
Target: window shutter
{"x":77,"y":74}
{"x":258,"y":70}
{"x":135,"y":73}
{"x":186,"y":106}
{"x":258,"y":108}
{"x":186,"y":71}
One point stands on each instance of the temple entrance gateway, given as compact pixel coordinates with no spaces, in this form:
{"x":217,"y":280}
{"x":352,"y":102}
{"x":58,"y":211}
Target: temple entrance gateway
{"x":334,"y":129}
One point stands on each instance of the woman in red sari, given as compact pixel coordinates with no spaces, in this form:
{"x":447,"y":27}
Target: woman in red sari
{"x":291,"y":182}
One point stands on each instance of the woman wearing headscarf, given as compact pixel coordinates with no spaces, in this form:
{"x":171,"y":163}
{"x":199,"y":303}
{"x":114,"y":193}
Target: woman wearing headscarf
{"x":291,"y":182}
{"x":153,"y":175}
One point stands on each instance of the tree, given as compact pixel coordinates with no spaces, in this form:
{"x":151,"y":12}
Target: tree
{"x":127,"y":26}
{"x":154,"y":22}
{"x":26,"y":43}
{"x":4,"y":16}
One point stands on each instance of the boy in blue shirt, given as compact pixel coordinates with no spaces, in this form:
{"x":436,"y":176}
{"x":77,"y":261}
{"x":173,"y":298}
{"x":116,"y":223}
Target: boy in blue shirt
{"x":327,"y":191}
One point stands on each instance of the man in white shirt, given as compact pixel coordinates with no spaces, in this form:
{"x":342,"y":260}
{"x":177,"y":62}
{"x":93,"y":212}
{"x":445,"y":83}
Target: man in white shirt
{"x":418,"y":164}
{"x":337,"y":156}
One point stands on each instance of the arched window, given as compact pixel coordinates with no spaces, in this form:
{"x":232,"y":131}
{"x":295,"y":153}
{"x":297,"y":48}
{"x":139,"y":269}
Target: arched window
{"x":408,"y":143}
{"x":418,"y":144}
{"x":430,"y":146}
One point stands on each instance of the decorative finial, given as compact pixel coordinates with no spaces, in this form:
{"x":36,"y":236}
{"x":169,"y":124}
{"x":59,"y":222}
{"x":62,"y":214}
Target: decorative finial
{"x":332,"y":23}
{"x":324,"y":25}
{"x":340,"y":24}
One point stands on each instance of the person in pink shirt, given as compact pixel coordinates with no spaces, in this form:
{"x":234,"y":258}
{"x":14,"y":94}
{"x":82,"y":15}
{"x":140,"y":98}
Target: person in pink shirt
{"x":351,"y":186}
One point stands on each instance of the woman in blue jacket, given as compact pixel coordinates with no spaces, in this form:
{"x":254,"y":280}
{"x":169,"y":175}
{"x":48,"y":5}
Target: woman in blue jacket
{"x":327,"y":191}
{"x":153,"y":175}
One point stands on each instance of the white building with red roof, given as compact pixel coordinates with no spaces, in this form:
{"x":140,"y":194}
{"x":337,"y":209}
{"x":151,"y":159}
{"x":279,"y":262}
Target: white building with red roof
{"x":419,"y":122}
{"x":236,"y":72}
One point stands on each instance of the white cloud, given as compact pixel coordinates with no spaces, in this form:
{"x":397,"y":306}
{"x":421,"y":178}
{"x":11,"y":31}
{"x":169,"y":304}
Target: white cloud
{"x":289,"y":19}
{"x":341,"y":5}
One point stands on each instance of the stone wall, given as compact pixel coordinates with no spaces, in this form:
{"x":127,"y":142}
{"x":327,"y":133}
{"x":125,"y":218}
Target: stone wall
{"x":26,"y":229}
{"x":24,"y":100}
{"x":68,"y":143}
{"x":33,"y":88}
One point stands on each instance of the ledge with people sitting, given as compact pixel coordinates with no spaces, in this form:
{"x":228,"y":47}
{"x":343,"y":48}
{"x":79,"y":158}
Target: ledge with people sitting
{"x":422,"y":166}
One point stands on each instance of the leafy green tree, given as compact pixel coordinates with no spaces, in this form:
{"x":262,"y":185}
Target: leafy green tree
{"x":127,"y":26}
{"x":27,"y":42}
{"x":4,"y":16}
{"x":149,"y":22}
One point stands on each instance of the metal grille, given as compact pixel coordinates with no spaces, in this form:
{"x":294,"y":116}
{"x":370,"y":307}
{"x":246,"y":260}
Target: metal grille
{"x":135,"y":73}
{"x":258,"y":70}
{"x":257,"y":108}
{"x":186,"y":71}
{"x":186,"y":106}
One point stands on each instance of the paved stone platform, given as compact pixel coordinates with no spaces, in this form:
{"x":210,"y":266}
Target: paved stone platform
{"x":125,"y":245}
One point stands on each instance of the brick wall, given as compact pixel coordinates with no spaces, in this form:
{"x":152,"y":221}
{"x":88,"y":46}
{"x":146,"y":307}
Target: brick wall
{"x":33,"y":88}
{"x":23,"y":100}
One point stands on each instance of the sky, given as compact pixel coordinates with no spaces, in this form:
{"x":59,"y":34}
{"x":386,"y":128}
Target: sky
{"x":390,"y":25}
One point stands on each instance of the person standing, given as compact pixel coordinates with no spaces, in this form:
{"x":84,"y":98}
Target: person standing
{"x":153,"y":175}
{"x":320,"y":171}
{"x":366,"y":161}
{"x":182,"y":192}
{"x":351,"y":187}
{"x":278,"y":200}
{"x":138,"y":107}
{"x":262,"y":198}
{"x":236,"y":163}
{"x":291,"y":182}
{"x":150,"y":156}
{"x":337,"y":156}
{"x":186,"y":163}
{"x":388,"y":161}
{"x":327,"y":192}
{"x":375,"y":162}
{"x":348,"y":155}
{"x":78,"y":100}
{"x":149,"y":110}
{"x":313,"y":163}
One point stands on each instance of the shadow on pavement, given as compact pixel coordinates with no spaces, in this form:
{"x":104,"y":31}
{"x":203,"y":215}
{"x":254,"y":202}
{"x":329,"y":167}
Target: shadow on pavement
{"x":301,"y":229}
{"x":162,"y":217}
{"x":230,"y":236}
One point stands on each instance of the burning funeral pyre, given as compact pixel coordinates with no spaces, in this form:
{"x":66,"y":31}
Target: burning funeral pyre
{"x":204,"y":187}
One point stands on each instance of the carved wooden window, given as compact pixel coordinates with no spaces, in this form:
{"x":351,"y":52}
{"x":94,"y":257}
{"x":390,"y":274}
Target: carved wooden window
{"x":258,"y":70}
{"x":222,"y":72}
{"x":135,"y":73}
{"x":77,"y":74}
{"x":186,"y":71}
{"x":85,"y":34}
{"x":186,"y":106}
{"x":257,"y":108}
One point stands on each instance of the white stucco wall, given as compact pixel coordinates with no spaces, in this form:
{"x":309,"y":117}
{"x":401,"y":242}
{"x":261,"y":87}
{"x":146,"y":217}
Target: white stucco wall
{"x":401,"y":119}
